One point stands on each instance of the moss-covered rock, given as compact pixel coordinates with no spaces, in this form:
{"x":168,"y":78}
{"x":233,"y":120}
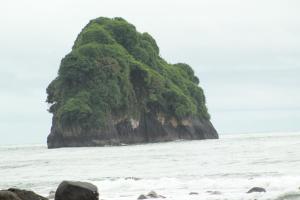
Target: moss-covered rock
{"x":111,"y":84}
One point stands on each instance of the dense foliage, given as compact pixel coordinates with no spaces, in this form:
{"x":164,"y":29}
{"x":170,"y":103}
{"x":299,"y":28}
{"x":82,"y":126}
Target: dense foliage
{"x":114,"y":71}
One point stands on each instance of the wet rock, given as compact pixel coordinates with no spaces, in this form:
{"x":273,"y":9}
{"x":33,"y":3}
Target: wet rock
{"x":70,"y":190}
{"x":214,"y":192}
{"x":7,"y":195}
{"x":17,"y":194}
{"x":26,"y":195}
{"x":193,"y":193}
{"x":152,"y":194}
{"x":142,"y":197}
{"x":257,"y":189}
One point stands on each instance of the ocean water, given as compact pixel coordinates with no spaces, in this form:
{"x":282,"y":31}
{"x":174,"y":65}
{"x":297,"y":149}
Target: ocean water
{"x":231,"y":166}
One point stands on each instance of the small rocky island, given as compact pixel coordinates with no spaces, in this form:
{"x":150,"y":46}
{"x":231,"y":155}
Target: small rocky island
{"x":113,"y":88}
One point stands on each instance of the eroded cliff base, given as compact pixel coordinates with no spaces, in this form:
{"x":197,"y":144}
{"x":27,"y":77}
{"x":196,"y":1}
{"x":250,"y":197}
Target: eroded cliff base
{"x":149,"y":129}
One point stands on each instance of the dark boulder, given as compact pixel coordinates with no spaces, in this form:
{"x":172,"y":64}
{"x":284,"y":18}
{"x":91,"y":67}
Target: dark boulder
{"x":142,"y":196}
{"x":152,"y":194}
{"x":69,"y":190}
{"x":17,"y":194}
{"x":256,"y":189}
{"x":7,"y":195}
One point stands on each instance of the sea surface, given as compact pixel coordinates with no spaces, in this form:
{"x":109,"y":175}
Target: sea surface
{"x":223,"y":169}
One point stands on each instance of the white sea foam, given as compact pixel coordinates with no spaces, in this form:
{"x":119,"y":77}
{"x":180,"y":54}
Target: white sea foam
{"x":231,"y":165}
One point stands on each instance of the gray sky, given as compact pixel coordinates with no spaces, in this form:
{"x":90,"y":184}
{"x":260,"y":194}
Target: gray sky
{"x":246,"y":54}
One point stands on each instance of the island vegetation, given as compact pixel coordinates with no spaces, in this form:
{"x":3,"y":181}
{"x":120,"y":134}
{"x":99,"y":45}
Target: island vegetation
{"x":115,"y":72}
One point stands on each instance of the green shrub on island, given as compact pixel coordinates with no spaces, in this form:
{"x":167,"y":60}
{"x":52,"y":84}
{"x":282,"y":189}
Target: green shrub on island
{"x":115,"y":71}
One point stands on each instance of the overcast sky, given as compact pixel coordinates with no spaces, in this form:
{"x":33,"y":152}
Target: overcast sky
{"x":246,"y":54}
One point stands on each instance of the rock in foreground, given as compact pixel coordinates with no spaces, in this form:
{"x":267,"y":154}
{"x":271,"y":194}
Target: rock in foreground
{"x":17,"y":194}
{"x":69,"y":190}
{"x":7,"y":195}
{"x":113,"y":88}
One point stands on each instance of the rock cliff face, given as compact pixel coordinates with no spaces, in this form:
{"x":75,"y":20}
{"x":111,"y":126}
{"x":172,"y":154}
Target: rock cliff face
{"x":113,"y":88}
